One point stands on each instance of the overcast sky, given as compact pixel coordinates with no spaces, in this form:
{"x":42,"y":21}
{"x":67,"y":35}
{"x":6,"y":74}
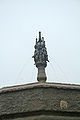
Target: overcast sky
{"x":20,"y":22}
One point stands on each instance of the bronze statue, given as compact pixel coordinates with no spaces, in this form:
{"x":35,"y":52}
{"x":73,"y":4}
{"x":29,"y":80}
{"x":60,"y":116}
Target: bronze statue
{"x":40,"y":58}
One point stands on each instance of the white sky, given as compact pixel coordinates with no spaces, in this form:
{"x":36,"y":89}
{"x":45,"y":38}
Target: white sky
{"x":20,"y":22}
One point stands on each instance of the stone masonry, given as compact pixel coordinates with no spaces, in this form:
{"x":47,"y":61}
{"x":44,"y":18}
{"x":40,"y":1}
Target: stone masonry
{"x":40,"y":101}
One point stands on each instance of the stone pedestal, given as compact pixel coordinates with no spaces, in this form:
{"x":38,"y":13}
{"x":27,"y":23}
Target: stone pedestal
{"x":41,"y":76}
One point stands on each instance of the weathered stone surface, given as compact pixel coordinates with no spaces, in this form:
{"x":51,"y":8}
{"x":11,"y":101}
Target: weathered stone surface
{"x":52,"y":100}
{"x":46,"y":117}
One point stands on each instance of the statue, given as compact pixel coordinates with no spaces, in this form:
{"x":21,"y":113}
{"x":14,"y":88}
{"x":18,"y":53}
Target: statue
{"x":40,"y":58}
